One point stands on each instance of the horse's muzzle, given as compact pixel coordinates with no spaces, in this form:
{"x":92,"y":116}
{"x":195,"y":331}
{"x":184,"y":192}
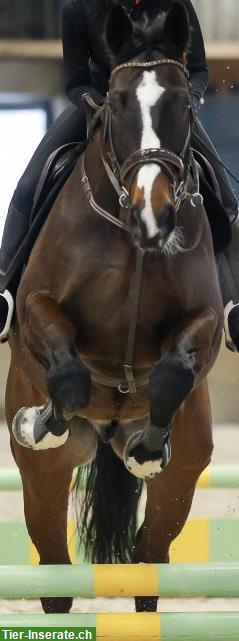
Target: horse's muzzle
{"x":165,"y":223}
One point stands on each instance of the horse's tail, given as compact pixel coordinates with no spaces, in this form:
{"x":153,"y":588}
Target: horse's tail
{"x":107,"y":519}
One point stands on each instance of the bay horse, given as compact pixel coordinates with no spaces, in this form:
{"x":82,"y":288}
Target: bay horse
{"x":119,"y":317}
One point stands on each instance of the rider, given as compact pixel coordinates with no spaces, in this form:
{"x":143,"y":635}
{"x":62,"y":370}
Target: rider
{"x":87,"y":70}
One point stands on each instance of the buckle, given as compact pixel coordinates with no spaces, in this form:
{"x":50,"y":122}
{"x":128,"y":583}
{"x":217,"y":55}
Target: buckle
{"x":196,"y":199}
{"x":124,"y":198}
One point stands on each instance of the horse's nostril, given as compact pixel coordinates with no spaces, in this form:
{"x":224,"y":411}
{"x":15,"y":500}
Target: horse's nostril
{"x":167,"y":219}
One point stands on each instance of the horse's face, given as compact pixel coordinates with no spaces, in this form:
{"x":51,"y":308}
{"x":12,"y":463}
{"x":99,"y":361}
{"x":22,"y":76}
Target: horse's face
{"x":150,"y":110}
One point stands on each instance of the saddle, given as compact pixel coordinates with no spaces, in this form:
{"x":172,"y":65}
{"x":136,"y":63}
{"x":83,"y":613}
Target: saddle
{"x":55,"y":172}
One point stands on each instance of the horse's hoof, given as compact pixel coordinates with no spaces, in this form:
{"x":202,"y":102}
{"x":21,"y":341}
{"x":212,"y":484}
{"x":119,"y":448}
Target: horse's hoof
{"x":56,"y":605}
{"x":32,"y":432}
{"x":142,"y":462}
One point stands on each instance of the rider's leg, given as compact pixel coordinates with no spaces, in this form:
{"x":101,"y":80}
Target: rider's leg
{"x":228,"y":269}
{"x":202,"y":143}
{"x":228,"y":262}
{"x":69,"y":127}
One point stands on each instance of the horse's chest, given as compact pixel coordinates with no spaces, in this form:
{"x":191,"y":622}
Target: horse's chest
{"x":109,"y":303}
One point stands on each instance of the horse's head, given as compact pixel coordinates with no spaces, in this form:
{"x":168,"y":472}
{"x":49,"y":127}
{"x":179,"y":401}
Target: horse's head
{"x":148,"y":116}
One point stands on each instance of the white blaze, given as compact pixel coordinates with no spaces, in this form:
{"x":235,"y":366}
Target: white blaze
{"x":148,"y":94}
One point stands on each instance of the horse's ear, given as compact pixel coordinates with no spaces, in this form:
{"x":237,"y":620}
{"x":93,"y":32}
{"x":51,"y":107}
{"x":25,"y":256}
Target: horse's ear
{"x":176,"y":27}
{"x":118,"y":30}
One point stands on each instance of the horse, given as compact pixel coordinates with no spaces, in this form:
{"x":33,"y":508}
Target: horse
{"x":119,"y":317}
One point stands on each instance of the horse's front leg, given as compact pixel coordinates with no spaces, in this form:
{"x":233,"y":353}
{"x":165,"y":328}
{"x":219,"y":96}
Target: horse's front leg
{"x":192,"y":349}
{"x":50,"y":338}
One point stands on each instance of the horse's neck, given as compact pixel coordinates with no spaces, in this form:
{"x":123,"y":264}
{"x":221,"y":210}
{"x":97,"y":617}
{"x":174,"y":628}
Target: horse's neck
{"x":102,"y":189}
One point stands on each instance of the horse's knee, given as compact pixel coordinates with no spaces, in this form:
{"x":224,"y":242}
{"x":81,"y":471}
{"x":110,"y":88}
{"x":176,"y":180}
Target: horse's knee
{"x":170,"y":383}
{"x":69,"y":386}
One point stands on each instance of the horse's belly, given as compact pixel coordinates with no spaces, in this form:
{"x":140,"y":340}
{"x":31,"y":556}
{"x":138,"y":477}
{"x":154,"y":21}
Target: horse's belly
{"x":106,"y":404}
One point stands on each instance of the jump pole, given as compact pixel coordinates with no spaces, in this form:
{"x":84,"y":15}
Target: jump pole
{"x":179,"y":580}
{"x":202,"y":626}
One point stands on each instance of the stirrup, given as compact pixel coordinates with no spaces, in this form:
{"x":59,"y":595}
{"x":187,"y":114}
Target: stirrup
{"x":7,"y":296}
{"x":230,"y":344}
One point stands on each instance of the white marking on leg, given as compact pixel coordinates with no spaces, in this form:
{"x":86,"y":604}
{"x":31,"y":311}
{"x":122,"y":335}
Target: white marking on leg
{"x":148,"y":94}
{"x":23,"y":430}
{"x":145,"y":470}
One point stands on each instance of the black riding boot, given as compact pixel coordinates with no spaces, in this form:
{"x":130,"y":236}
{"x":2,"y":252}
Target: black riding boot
{"x":15,"y":230}
{"x":203,"y":144}
{"x":228,"y":261}
{"x":228,"y":270}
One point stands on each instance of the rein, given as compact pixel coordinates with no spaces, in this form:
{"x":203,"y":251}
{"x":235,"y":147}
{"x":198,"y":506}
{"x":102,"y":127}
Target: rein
{"x":177,"y":169}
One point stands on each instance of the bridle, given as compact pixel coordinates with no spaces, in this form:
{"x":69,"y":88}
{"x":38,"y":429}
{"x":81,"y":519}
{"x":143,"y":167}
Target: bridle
{"x":177,"y":168}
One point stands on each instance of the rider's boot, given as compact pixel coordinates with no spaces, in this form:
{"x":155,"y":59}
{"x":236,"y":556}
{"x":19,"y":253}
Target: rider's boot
{"x":228,"y":264}
{"x":15,"y":229}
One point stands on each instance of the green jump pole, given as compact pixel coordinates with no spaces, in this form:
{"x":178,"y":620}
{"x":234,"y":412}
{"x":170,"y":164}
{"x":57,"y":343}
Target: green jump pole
{"x":189,"y":580}
{"x":203,"y":626}
{"x":10,"y":480}
{"x":219,"y":476}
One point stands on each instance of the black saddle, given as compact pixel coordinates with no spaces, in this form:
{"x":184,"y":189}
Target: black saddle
{"x":55,"y":173}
